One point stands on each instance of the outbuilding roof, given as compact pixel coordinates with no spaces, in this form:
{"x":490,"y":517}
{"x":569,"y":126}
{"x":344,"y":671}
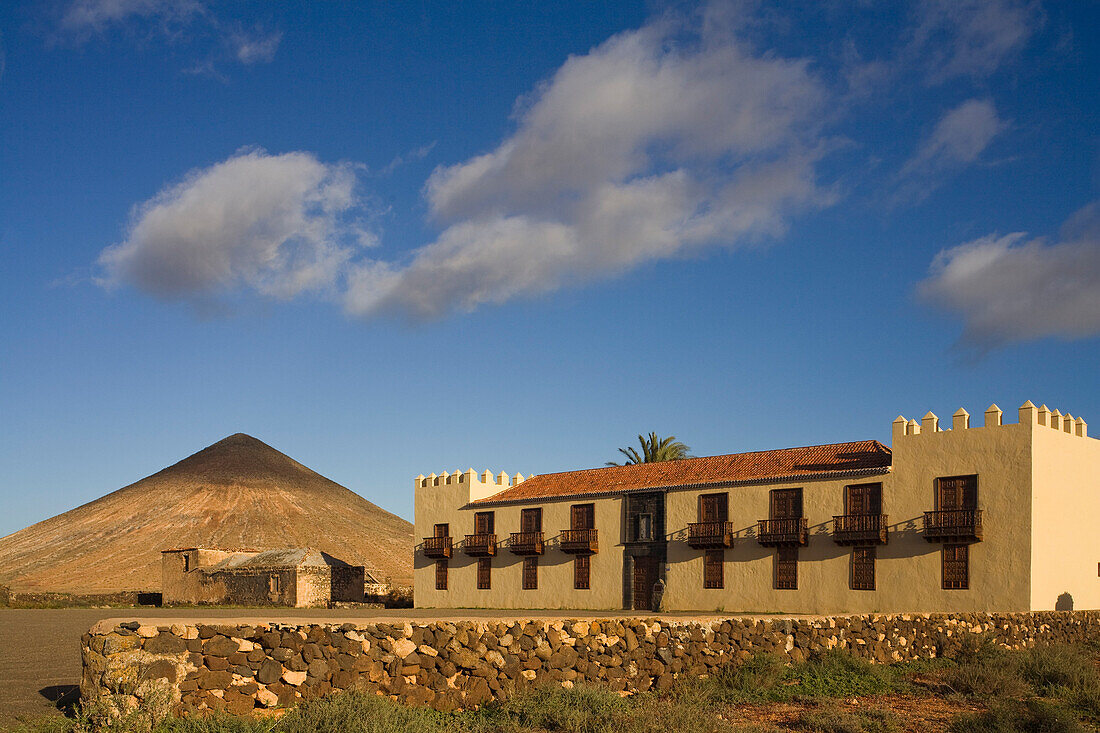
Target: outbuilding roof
{"x":816,"y":461}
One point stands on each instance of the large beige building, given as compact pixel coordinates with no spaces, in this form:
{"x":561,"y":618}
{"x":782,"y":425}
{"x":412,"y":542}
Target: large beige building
{"x":1002,"y":517}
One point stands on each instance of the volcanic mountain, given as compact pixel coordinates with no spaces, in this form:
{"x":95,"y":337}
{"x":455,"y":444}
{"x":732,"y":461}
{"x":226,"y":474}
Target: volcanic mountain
{"x":239,"y":493}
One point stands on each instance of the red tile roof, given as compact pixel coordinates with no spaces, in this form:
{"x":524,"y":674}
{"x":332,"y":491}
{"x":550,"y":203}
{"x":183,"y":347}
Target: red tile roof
{"x":817,"y":461}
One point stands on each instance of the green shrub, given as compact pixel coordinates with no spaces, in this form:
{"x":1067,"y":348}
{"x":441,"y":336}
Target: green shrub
{"x":832,"y":720}
{"x":986,"y":679}
{"x":1051,"y":669}
{"x":584,"y":709}
{"x":758,"y":678}
{"x":1034,"y":716}
{"x":839,"y":674}
{"x":351,"y":712}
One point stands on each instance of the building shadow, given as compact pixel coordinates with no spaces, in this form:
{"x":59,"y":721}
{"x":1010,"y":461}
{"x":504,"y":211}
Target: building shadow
{"x":1064,"y":603}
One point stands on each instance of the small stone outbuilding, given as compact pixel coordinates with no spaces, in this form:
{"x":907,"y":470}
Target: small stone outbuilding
{"x":294,"y":576}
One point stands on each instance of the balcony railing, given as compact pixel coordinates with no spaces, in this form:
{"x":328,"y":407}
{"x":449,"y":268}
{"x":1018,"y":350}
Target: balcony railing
{"x":525,"y":543}
{"x":953,"y":525}
{"x":772,"y":532}
{"x":437,"y":547}
{"x":861,"y":529}
{"x":580,"y":541}
{"x":480,"y":545}
{"x":704,"y":535}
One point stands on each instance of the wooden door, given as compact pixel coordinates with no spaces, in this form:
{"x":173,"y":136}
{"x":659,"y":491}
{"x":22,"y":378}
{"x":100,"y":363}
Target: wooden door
{"x":713,"y":508}
{"x":865,"y":499}
{"x":442,"y":530}
{"x":958,"y":492}
{"x":787,"y":504}
{"x":582,"y":516}
{"x":645,"y":575}
{"x":483,"y":523}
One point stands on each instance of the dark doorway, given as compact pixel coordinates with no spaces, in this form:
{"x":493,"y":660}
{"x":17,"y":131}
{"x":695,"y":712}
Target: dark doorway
{"x":645,"y":575}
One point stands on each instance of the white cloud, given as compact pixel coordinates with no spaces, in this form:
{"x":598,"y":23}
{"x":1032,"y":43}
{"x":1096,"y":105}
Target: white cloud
{"x":958,"y":139}
{"x":970,"y":38}
{"x":658,"y":141}
{"x":83,"y":16}
{"x":255,"y":47}
{"x":275,"y":223}
{"x":175,"y":18}
{"x":1010,"y":288}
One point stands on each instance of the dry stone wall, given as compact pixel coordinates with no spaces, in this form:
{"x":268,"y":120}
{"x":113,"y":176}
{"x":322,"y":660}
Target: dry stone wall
{"x":454,"y":665}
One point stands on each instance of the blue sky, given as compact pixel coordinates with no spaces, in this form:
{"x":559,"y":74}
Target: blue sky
{"x":398,"y":238}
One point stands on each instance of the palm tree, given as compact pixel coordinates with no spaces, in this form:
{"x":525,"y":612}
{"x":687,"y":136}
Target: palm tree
{"x":654,"y":449}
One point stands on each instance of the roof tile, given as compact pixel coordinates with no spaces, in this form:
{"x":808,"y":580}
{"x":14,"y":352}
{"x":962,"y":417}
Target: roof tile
{"x":787,"y":463}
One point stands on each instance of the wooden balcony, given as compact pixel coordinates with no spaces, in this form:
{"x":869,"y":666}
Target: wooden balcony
{"x":710,"y":535}
{"x":525,"y":543}
{"x":861,"y":529}
{"x":775,"y":532}
{"x":953,"y":525}
{"x":480,"y":545}
{"x":437,"y":547}
{"x":580,"y":541}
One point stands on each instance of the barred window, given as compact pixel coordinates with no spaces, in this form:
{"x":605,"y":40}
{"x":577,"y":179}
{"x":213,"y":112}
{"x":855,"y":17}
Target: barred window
{"x":712,"y":568}
{"x":956,"y":567}
{"x":581,"y":568}
{"x":786,"y":568}
{"x":484,"y":573}
{"x":531,"y":572}
{"x":441,"y":574}
{"x":863,"y":568}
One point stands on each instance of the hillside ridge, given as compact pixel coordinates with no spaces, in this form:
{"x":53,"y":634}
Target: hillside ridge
{"x":237,"y":492}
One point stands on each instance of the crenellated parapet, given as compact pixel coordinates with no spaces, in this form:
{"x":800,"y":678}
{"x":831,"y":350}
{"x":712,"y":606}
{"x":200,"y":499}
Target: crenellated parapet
{"x":469,"y":476}
{"x":1029,"y":414}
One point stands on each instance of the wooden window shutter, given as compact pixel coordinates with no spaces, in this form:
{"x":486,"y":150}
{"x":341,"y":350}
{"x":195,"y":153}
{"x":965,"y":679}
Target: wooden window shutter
{"x":582,"y":516}
{"x":483,"y":523}
{"x":713,"y":566}
{"x":956,"y":567}
{"x":581,"y":569}
{"x":442,"y":530}
{"x":531,"y":572}
{"x":863,"y":568}
{"x":441,"y":574}
{"x":530,"y":520}
{"x":484,"y":573}
{"x":786,"y":568}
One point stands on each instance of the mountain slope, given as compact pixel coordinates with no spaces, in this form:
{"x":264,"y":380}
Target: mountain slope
{"x":238,"y":493}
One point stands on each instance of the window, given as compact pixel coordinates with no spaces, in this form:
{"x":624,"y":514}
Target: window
{"x":956,"y":567}
{"x":786,"y":568}
{"x":484,"y":523}
{"x":442,"y":530}
{"x":273,"y":584}
{"x":582,"y":516}
{"x":531,"y":572}
{"x":643,"y":527}
{"x":186,"y":563}
{"x":712,"y":568}
{"x":581,"y":568}
{"x":714,"y":508}
{"x":863,"y":568}
{"x":786,"y":504}
{"x":957,"y":492}
{"x":530,"y":520}
{"x":484,"y":573}
{"x":864,"y":499}
{"x":441,"y":574}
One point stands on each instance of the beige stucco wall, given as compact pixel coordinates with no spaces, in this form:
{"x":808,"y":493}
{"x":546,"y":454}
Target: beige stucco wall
{"x":1021,"y":564}
{"x":1065,"y":520}
{"x":555,"y":573}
